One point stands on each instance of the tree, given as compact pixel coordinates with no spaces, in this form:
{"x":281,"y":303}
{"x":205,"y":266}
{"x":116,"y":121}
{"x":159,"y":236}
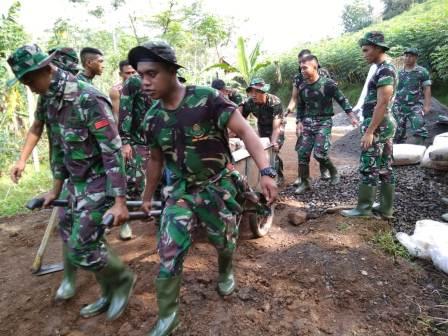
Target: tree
{"x":246,"y":65}
{"x":394,"y":7}
{"x":356,"y":16}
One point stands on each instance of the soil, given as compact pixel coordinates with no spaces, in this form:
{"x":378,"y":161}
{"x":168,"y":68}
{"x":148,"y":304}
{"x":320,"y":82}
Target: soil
{"x":324,"y":277}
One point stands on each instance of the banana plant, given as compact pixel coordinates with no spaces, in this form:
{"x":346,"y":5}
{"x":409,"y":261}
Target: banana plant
{"x":246,"y":66}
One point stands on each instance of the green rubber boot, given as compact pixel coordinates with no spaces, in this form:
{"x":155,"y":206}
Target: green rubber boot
{"x":226,"y":279}
{"x":366,"y":195}
{"x":168,"y":301}
{"x":304,"y":180}
{"x":125,"y":231}
{"x":102,"y":304}
{"x":297,"y":181}
{"x":334,"y":175}
{"x":385,"y":207}
{"x":120,"y":281}
{"x":68,"y":287}
{"x":324,"y":173}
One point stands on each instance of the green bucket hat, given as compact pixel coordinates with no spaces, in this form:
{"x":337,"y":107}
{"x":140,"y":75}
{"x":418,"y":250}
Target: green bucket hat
{"x":374,"y":38}
{"x":413,"y":51}
{"x":65,"y":59}
{"x":26,"y":59}
{"x":258,"y":84}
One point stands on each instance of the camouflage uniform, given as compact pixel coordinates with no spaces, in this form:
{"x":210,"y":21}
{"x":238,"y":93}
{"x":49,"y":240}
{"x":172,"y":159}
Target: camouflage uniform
{"x":81,"y":76}
{"x":408,"y":103}
{"x":133,"y":106}
{"x":315,"y":111}
{"x":194,"y":143}
{"x":376,"y":161}
{"x":266,"y":114}
{"x":86,"y":150}
{"x":236,"y":97}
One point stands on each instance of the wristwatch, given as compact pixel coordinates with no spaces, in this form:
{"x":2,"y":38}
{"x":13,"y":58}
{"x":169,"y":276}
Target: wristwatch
{"x":268,"y":171}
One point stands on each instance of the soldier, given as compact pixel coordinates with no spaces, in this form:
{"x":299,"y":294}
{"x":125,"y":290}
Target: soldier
{"x":187,"y":129}
{"x":125,"y":71}
{"x":268,"y":110}
{"x":314,"y":121}
{"x":92,"y":60}
{"x":292,"y":106}
{"x":377,"y":129}
{"x":134,"y":104}
{"x":413,"y":99}
{"x":66,"y":59}
{"x":85,"y":149}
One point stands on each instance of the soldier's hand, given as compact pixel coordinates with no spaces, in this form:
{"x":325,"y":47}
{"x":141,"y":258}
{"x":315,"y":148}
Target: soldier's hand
{"x":353,"y":119}
{"x":299,"y":128}
{"x":48,"y":198}
{"x":17,"y":170}
{"x":146,"y":206}
{"x":366,"y":141}
{"x":118,"y":210}
{"x":276,"y":147}
{"x":126,"y":150}
{"x":269,"y":188}
{"x":426,"y":109}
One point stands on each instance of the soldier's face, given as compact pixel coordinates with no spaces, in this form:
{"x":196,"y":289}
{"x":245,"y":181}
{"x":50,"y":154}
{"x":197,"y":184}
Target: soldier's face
{"x":126,"y":72}
{"x":157,"y":80}
{"x":308,"y":69}
{"x":96,"y":64}
{"x":410,"y":59}
{"x":38,"y":81}
{"x":258,"y":96}
{"x":371,"y":53}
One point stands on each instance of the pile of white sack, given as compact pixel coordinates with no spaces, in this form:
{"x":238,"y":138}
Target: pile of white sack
{"x":435,"y":156}
{"x":429,"y":241}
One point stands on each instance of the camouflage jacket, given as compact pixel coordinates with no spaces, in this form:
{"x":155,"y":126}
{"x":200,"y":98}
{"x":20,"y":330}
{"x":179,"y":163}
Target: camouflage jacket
{"x":84,"y":78}
{"x":133,"y":106}
{"x":265,"y":113}
{"x":411,"y":84}
{"x":85,"y":142}
{"x":316,"y":99}
{"x":385,"y":74}
{"x":298,"y":79}
{"x":236,"y":97}
{"x":193,"y":138}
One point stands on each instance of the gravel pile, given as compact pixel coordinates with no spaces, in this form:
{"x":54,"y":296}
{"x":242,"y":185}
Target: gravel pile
{"x":418,"y":195}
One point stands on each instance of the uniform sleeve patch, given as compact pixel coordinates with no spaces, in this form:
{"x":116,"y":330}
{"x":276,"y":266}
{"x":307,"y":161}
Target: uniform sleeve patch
{"x":101,"y":124}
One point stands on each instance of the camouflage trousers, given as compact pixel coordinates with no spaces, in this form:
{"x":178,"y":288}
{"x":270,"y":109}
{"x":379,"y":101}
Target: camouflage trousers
{"x":136,"y":171}
{"x":414,"y":113}
{"x":316,"y":136}
{"x":213,"y":204}
{"x":80,"y":223}
{"x":376,"y":161}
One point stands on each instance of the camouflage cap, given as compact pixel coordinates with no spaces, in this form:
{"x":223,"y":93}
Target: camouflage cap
{"x":157,"y":51}
{"x":413,"y":51}
{"x":26,"y":59}
{"x":66,"y":59}
{"x":258,"y":84}
{"x":374,"y":38}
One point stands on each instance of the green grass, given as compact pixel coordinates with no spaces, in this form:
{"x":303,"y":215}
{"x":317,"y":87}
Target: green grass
{"x":440,"y":92}
{"x":14,"y":196}
{"x":352,"y":92}
{"x":387,"y":242}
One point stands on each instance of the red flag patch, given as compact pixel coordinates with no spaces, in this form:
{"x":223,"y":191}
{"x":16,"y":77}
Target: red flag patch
{"x":101,"y":123}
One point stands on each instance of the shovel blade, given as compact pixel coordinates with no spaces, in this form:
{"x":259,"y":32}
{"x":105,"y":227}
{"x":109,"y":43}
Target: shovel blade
{"x":48,"y":269}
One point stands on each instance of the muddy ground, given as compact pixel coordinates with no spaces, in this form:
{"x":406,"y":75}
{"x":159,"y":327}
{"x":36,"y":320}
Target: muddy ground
{"x":324,"y":277}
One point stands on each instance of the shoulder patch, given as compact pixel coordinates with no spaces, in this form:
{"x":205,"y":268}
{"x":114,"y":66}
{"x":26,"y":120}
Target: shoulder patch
{"x":102,"y":123}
